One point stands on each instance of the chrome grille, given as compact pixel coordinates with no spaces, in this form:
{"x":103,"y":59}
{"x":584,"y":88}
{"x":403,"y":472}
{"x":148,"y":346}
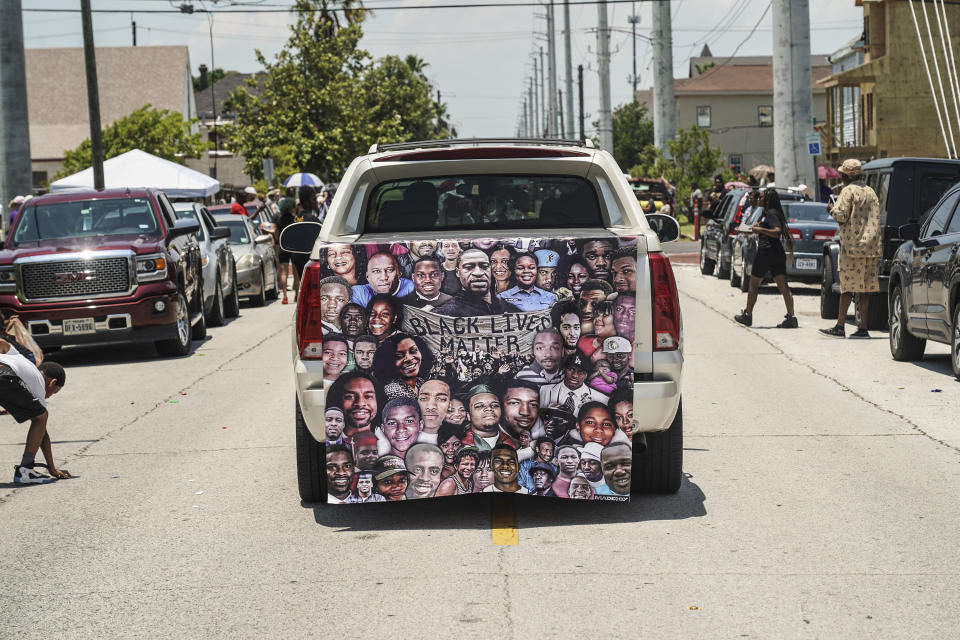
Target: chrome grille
{"x":41,"y":279}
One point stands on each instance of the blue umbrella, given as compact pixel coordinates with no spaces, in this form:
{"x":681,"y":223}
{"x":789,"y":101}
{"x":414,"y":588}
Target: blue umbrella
{"x":301,"y":179}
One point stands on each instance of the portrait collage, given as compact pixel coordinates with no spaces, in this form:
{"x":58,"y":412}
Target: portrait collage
{"x":455,"y":367}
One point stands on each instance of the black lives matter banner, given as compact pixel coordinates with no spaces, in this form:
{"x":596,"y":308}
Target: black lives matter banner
{"x":511,"y":332}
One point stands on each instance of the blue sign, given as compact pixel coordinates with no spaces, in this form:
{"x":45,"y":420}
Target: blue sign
{"x":813,"y":148}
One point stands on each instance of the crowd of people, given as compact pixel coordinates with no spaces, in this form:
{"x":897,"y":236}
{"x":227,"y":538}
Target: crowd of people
{"x":456,"y":367}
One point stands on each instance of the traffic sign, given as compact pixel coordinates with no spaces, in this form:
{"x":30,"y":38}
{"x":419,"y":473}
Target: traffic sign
{"x":813,"y":144}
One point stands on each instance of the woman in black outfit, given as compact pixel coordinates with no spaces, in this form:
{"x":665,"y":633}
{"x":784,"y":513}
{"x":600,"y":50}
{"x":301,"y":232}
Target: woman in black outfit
{"x":288,"y":207}
{"x":306,"y":212}
{"x":772,"y":258}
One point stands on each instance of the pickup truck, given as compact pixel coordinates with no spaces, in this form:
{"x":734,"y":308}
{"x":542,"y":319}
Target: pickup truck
{"x":486,"y":316}
{"x":116,"y":265}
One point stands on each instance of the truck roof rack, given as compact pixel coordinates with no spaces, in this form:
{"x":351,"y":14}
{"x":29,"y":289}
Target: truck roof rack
{"x":434,"y":144}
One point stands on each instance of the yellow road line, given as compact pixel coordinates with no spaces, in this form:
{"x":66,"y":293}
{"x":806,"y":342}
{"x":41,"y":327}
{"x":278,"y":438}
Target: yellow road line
{"x":503,"y":525}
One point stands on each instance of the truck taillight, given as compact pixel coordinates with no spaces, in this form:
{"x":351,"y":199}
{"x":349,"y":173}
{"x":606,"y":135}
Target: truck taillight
{"x":666,"y":304}
{"x":309,"y":327}
{"x":824,"y":234}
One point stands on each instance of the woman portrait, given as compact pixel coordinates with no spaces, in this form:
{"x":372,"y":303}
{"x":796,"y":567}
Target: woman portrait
{"x":344,"y":260}
{"x":603,"y":325}
{"x":402,"y":363}
{"x":384,"y":315}
{"x":502,"y":258}
{"x":456,"y":412}
{"x":576,"y":275}
{"x":465,"y":463}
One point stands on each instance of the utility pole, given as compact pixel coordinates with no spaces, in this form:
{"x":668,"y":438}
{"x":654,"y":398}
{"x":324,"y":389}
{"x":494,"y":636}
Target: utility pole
{"x":133,"y":26}
{"x":792,"y":93}
{"x":583,"y":134}
{"x":535,"y":83}
{"x":545,"y":117}
{"x":634,"y":20}
{"x":532,"y":110}
{"x":563,"y":132}
{"x":664,"y":104}
{"x":15,"y":172}
{"x":213,"y":98}
{"x":93,"y":95}
{"x":605,"y":129}
{"x":568,"y":54}
{"x":552,"y":128}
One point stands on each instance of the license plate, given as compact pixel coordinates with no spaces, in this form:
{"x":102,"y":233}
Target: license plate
{"x":78,"y":326}
{"x":806,"y":263}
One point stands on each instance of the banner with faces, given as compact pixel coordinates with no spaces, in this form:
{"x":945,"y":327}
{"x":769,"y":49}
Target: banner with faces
{"x":470,"y":366}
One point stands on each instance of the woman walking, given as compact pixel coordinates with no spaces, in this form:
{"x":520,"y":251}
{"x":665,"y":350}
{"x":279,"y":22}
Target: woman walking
{"x":771,"y":257}
{"x":288,"y":207}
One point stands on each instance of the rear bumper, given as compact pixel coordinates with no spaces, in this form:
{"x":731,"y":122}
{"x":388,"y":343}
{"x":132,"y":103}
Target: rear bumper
{"x":655,"y":402}
{"x":815,"y":260}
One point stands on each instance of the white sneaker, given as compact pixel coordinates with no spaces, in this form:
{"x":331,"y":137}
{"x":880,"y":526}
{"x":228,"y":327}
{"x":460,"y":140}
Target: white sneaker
{"x":27,"y":475}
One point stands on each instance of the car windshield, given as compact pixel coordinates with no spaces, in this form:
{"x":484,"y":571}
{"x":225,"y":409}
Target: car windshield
{"x":238,"y":231}
{"x":84,"y":218}
{"x":463,"y":202}
{"x":190,"y":214}
{"x":807,"y":212}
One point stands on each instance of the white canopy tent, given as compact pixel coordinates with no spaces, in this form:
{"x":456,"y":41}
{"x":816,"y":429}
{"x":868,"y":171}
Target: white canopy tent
{"x":138,"y":168}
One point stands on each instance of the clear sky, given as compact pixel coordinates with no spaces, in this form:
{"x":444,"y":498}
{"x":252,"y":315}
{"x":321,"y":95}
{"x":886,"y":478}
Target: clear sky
{"x":480,"y":58}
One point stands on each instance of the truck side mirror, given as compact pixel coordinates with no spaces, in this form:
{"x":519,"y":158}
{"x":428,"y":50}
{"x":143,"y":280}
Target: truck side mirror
{"x":666,"y":227}
{"x":909,"y":231}
{"x":300,"y":237}
{"x":219,"y":232}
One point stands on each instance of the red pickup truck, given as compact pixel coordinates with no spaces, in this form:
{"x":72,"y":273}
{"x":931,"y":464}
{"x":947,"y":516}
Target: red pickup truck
{"x":115,"y":265}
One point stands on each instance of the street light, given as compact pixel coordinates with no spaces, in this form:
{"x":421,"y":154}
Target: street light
{"x":634,"y":20}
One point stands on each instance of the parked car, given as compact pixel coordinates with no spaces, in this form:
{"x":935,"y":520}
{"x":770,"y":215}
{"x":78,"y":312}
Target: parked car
{"x":258,"y":277}
{"x":716,"y":241}
{"x":907,"y":188}
{"x":85,"y":267}
{"x":221,"y":298}
{"x":259,"y":215}
{"x":925,"y":284}
{"x":567,"y":202}
{"x":810,"y":226}
{"x":662,"y":192}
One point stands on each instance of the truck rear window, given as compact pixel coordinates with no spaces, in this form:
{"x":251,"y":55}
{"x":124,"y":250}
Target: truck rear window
{"x":466,"y":202}
{"x":83,"y":218}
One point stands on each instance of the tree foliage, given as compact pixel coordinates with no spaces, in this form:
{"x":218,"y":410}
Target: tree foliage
{"x":325,"y":101}
{"x":213,"y":76}
{"x":632,"y":132}
{"x":160,"y":132}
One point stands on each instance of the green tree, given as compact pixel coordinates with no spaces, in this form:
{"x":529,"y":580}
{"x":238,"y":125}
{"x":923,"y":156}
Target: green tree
{"x":632,"y":132}
{"x":160,"y":132}
{"x":214,"y":76}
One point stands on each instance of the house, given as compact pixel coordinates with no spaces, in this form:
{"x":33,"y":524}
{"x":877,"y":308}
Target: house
{"x":879,"y":100}
{"x":732,"y":98}
{"x":128,"y":78}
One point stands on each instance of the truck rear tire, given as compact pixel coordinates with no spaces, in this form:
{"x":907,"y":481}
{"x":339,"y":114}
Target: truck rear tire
{"x":179,"y":346}
{"x":311,"y":463}
{"x":829,"y":301}
{"x":659,"y":468}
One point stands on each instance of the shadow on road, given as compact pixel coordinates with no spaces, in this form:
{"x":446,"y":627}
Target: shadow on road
{"x":474,"y":511}
{"x":936,"y":363}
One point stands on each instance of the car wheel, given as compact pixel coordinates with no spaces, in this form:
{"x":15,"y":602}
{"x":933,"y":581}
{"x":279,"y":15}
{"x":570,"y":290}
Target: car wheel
{"x":904,"y":346}
{"x":829,"y":301}
{"x":955,"y":342}
{"x":179,"y":346}
{"x":200,"y":328}
{"x":217,"y":314}
{"x":735,"y":279}
{"x":311,"y":463}
{"x":231,"y":306}
{"x":659,"y":467}
{"x":275,"y":290}
{"x":706,"y":264}
{"x":261,"y":298}
{"x":745,"y":276}
{"x":723,"y":271}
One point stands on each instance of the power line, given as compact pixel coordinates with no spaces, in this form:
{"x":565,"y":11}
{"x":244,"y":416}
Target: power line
{"x":286,"y":9}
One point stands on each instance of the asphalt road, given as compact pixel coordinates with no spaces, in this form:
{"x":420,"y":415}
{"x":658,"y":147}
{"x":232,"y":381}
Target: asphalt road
{"x":820,"y":501}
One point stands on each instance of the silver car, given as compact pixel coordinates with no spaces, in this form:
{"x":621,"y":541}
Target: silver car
{"x":221,"y":299}
{"x":257,"y":272}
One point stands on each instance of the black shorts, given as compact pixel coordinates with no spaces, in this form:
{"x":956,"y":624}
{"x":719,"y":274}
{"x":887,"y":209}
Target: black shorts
{"x":772,"y":261}
{"x":283,"y":257}
{"x":16,"y":398}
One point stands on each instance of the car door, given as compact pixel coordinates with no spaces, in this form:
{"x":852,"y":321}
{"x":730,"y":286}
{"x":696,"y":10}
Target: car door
{"x":942,"y":257}
{"x":929,"y":258}
{"x":715,"y":228}
{"x":221,"y":251}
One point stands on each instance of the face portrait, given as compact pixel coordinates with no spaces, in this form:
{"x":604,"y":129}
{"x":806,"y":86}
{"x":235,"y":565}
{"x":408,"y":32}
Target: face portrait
{"x":579,"y":488}
{"x":340,"y":260}
{"x":365,"y":485}
{"x":424,"y":464}
{"x":625,"y":274}
{"x":570,"y":330}
{"x":449,"y":449}
{"x":597,"y":425}
{"x":484,"y":243}
{"x":591,"y":468}
{"x":407,"y":359}
{"x":456,"y":412}
{"x":541,"y":479}
{"x":625,"y":316}
{"x":474,"y":272}
{"x":366,"y":454}
{"x":588,"y":299}
{"x":618,"y":361}
{"x":393,"y":487}
{"x":468,"y":464}
{"x":333,"y":297}
{"x":525,"y":269}
{"x":482,"y":476}
{"x":334,"y":358}
{"x":401,"y":426}
{"x":568,"y":460}
{"x":576,"y":276}
{"x":545,"y":451}
{"x":427,"y":278}
{"x":603,"y":322}
{"x":545,"y":278}
{"x":339,"y":472}
{"x":597,"y":254}
{"x":434,"y":401}
{"x":363,"y":353}
{"x":360,"y":402}
{"x":500,"y":265}
{"x":525,"y":439}
{"x":623,"y":414}
{"x":505,"y":468}
{"x":422,"y":248}
{"x":556,"y":426}
{"x":574,"y":377}
{"x":484,"y":412}
{"x":520,"y":409}
{"x":333,"y":423}
{"x":382,"y":273}
{"x":617,"y":463}
{"x":352,"y":321}
{"x":450,"y":250}
{"x":547,"y":350}
{"x":380,"y":322}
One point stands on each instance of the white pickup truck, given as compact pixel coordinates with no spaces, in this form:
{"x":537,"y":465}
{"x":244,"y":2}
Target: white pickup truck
{"x":486,"y":316}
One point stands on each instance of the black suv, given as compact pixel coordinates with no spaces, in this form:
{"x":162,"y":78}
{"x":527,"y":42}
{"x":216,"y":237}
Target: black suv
{"x":907,"y":188}
{"x":925,"y":284}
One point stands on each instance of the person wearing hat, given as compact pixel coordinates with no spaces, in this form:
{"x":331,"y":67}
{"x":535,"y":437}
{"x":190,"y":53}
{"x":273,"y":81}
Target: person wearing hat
{"x":547,"y":262}
{"x":572,"y":392}
{"x":15,"y":205}
{"x":339,"y":473}
{"x":543,"y":455}
{"x":617,"y":351}
{"x":390,"y":477}
{"x":557,"y":423}
{"x":365,"y":450}
{"x":526,"y":295}
{"x":857,"y":211}
{"x":484,"y":413}
{"x":542,"y":476}
{"x":590,"y":464}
